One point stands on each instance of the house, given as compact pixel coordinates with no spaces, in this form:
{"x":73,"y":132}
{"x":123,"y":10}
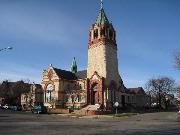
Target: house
{"x":138,"y":97}
{"x":31,"y":97}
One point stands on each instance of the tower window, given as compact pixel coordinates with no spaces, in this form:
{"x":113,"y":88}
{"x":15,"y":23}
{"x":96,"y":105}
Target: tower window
{"x":110,"y":34}
{"x":102,"y":32}
{"x":95,"y":33}
{"x":90,"y":35}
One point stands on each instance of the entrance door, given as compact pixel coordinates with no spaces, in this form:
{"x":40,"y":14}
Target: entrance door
{"x":94,"y":97}
{"x":123,"y":100}
{"x":94,"y":94}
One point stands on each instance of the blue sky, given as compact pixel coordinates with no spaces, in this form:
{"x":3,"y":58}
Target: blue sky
{"x":44,"y":32}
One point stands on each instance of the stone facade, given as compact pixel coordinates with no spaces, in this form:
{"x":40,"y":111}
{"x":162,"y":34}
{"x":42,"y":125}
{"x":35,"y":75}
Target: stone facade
{"x":63,"y":89}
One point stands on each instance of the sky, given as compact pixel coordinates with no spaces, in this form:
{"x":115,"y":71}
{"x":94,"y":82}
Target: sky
{"x":44,"y":32}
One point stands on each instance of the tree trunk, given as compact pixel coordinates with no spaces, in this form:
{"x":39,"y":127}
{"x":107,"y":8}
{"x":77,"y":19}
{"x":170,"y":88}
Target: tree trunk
{"x":159,"y":100}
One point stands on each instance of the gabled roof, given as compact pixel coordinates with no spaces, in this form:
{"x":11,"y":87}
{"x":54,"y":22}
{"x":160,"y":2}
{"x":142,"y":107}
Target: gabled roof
{"x":38,"y":86}
{"x":68,"y":75}
{"x":102,"y":18}
{"x":81,"y":74}
{"x":138,"y":90}
{"x":65,"y":74}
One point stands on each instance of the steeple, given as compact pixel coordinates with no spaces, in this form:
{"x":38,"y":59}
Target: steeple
{"x":102,"y":18}
{"x":102,"y":31}
{"x":74,"y":66}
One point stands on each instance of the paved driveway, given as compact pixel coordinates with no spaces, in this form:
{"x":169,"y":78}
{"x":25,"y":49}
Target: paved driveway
{"x":17,"y":123}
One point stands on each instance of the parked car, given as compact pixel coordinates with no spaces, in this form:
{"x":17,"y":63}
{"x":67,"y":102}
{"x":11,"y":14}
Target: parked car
{"x":19,"y":108}
{"x":39,"y":108}
{"x":5,"y":106}
{"x":14,"y":108}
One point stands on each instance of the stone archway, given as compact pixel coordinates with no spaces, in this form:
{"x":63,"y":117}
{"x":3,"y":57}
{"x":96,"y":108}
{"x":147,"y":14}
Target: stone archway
{"x":95,"y":90}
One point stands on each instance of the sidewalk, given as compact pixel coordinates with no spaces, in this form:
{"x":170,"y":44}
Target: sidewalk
{"x":121,"y":115}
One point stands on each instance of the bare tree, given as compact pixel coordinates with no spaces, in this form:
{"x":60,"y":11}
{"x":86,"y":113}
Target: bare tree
{"x":178,"y":96}
{"x":177,"y":60}
{"x":160,"y":87}
{"x":178,"y":91}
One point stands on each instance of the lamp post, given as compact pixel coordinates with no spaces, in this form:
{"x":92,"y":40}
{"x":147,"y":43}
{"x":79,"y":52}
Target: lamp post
{"x":7,"y":48}
{"x":116,"y":104}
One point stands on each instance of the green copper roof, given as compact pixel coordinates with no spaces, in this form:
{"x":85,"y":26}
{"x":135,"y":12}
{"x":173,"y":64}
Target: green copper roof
{"x":74,"y":66}
{"x":102,"y":19}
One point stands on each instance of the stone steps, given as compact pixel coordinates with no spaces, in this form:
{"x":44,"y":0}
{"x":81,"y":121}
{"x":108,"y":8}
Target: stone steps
{"x":91,"y":107}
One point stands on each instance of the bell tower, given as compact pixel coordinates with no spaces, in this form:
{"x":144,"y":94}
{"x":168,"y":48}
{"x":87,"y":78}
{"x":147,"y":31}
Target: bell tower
{"x":102,"y":50}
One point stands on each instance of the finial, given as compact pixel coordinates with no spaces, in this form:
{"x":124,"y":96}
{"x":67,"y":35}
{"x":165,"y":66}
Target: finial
{"x":50,"y":65}
{"x":101,"y":4}
{"x":74,"y":66}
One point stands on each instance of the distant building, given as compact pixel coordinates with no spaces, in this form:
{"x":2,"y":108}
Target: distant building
{"x":30,"y":98}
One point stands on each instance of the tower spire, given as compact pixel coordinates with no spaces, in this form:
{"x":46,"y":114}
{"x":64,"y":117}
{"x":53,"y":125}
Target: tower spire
{"x":74,"y":66}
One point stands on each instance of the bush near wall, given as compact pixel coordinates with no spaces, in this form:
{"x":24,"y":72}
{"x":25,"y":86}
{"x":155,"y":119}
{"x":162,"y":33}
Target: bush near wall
{"x":92,"y":112}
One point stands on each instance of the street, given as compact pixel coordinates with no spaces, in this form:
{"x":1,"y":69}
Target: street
{"x":25,"y":123}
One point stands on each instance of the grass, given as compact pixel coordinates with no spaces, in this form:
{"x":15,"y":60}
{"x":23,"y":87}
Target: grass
{"x":123,"y":114}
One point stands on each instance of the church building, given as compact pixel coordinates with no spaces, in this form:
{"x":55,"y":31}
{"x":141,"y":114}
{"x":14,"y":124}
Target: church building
{"x":100,"y":85}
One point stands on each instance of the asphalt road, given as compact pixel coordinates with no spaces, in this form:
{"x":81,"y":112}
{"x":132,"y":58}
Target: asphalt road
{"x":24,"y":123}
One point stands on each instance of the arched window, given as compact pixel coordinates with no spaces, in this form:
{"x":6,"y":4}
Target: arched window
{"x":102,"y":32}
{"x":49,"y":94}
{"x":72,"y":98}
{"x":79,"y":98}
{"x":95,"y":33}
{"x":90,"y":35}
{"x":80,"y":86}
{"x":94,"y":86}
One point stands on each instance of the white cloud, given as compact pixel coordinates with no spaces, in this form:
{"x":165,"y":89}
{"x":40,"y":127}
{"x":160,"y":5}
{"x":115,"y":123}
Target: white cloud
{"x":17,"y":72}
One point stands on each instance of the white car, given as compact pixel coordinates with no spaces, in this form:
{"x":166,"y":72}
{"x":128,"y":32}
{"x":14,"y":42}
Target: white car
{"x":5,"y":106}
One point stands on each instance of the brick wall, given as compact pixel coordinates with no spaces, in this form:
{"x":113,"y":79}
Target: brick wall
{"x":58,"y":111}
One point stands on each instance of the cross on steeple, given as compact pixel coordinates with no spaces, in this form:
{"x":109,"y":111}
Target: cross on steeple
{"x":101,"y":4}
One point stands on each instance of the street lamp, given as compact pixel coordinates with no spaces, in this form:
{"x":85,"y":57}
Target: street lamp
{"x":116,"y":104}
{"x":7,"y":48}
